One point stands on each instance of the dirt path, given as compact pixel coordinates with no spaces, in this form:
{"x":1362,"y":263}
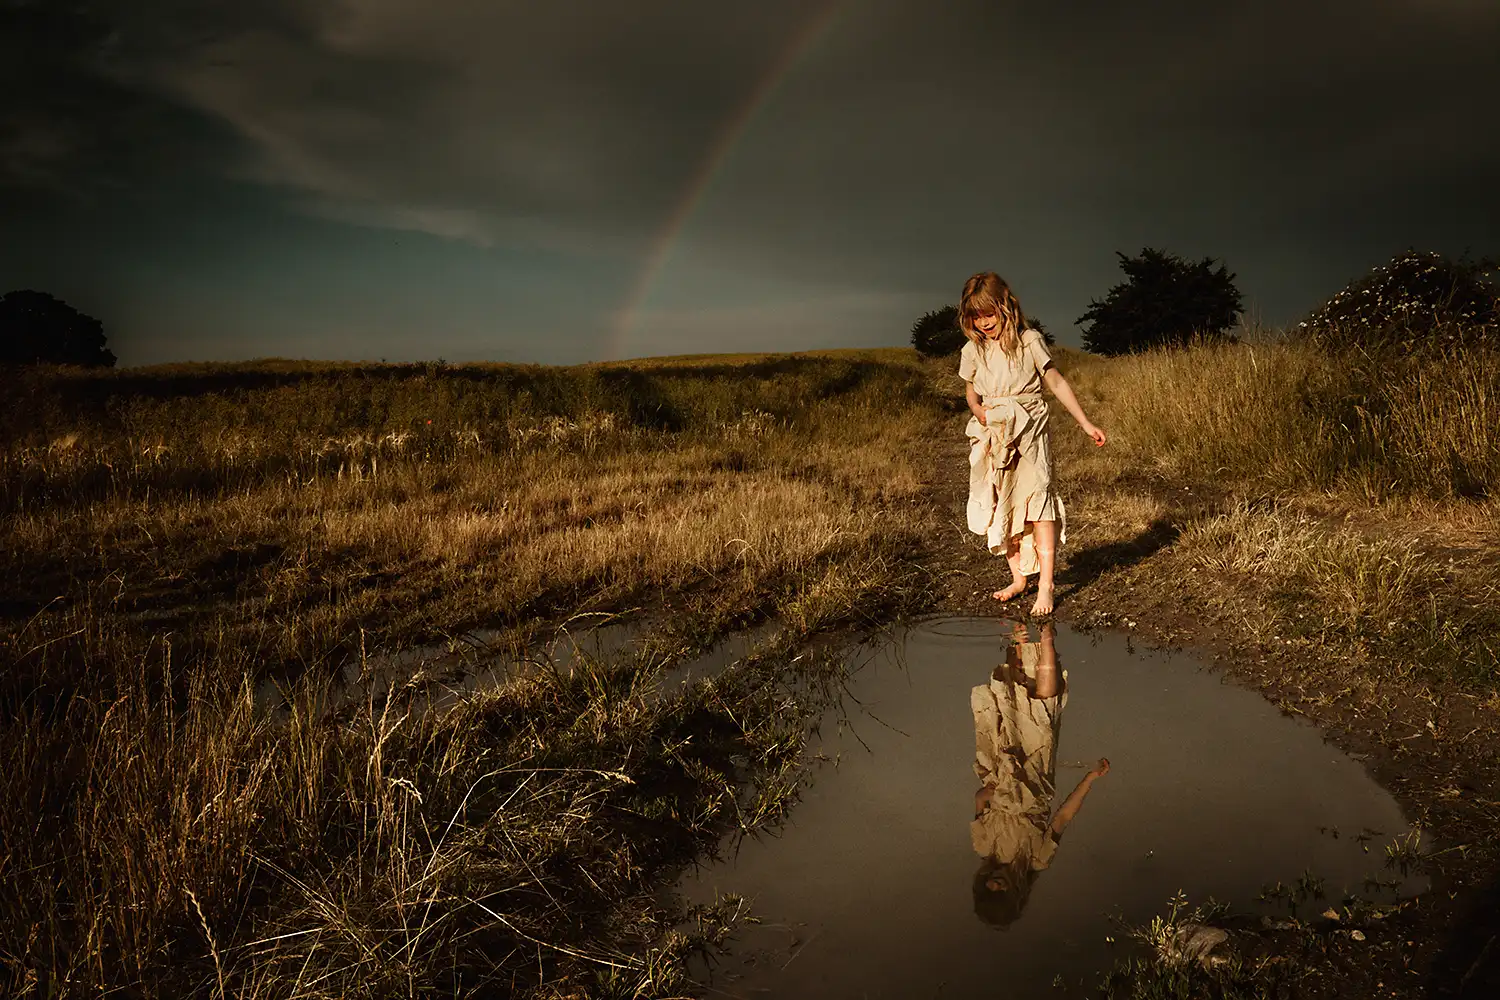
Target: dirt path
{"x":1436,"y":750}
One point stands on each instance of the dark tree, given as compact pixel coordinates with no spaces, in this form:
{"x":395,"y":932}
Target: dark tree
{"x":1164,"y":301}
{"x":35,"y":326}
{"x":937,"y":333}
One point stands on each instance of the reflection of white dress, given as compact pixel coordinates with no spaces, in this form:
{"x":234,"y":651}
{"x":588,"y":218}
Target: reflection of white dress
{"x":1015,"y":755}
{"x":1010,"y":457}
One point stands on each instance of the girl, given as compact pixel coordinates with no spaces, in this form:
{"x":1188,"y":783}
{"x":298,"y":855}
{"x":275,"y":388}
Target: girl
{"x":1011,"y":500}
{"x":1017,"y":718}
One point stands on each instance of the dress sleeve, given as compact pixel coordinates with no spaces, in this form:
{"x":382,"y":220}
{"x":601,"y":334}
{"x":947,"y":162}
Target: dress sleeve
{"x":1037,"y":348}
{"x":1044,"y":846}
{"x":968,"y":364}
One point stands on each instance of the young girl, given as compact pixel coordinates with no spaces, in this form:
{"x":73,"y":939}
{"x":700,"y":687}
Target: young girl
{"x":1011,"y":500}
{"x":1017,"y":718}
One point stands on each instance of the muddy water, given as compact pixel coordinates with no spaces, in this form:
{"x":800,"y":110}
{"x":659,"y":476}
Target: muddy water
{"x":883,"y":884}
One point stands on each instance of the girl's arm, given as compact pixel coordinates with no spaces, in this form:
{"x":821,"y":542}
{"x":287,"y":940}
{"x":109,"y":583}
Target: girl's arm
{"x":1074,"y":802}
{"x":1064,"y":393}
{"x":975,"y":405}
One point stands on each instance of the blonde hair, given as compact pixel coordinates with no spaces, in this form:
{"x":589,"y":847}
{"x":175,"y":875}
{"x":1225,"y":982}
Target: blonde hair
{"x":985,"y":294}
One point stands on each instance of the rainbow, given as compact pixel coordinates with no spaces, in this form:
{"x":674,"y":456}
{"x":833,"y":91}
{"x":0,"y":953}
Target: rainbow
{"x":803,"y":41}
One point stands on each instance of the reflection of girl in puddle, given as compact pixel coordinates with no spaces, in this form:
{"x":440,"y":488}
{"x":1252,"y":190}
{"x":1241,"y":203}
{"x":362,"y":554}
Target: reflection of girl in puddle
{"x":1017,"y":717}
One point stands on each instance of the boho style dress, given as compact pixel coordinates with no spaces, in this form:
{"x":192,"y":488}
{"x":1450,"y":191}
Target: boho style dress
{"x":1015,"y":756}
{"x":1010,"y":459}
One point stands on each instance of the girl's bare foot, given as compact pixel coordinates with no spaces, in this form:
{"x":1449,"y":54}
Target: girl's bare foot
{"x":1011,"y":592}
{"x":1043,"y":605}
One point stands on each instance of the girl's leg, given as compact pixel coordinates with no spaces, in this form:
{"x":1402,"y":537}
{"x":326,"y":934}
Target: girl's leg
{"x":1048,"y":676}
{"x":1017,"y":578}
{"x":1044,"y":533}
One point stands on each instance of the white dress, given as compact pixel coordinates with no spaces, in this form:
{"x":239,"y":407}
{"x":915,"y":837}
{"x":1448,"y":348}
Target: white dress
{"x":1015,"y":756}
{"x":1010,"y":457}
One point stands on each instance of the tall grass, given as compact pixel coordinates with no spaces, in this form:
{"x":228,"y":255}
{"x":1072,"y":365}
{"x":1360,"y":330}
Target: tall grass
{"x":1288,"y":416}
{"x":1323,"y":459}
{"x":174,"y":540}
{"x":177,"y":843}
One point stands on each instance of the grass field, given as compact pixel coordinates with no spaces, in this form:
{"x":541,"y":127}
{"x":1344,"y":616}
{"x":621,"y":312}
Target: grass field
{"x":177,"y":537}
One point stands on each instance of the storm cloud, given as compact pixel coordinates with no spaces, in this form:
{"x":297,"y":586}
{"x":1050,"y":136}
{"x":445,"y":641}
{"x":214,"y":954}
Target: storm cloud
{"x":502,"y":179}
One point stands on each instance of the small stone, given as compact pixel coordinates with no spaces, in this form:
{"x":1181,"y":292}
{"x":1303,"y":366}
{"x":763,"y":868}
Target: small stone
{"x":1356,"y":935}
{"x":1330,"y":913}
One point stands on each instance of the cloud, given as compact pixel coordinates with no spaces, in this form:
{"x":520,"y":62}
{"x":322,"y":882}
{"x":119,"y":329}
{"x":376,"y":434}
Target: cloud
{"x":573,"y":124}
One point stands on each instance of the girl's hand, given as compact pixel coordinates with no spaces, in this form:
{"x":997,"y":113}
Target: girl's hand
{"x":1100,"y":769}
{"x":1097,"y":433}
{"x":979,"y":416}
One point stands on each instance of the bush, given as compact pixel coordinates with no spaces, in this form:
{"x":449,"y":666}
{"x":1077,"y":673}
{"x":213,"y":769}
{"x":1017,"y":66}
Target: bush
{"x":1165,"y":301}
{"x":1415,"y":299}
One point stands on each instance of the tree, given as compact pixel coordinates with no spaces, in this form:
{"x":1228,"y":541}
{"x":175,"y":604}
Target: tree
{"x":937,"y":333}
{"x":35,"y":326}
{"x":1164,"y":301}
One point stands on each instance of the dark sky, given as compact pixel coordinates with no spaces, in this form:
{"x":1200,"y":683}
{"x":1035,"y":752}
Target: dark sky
{"x":568,"y":181}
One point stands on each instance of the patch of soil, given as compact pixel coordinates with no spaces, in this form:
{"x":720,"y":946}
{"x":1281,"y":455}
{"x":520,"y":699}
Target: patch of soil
{"x":1435,"y":748}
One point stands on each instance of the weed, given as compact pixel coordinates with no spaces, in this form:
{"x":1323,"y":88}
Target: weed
{"x":1404,"y":852}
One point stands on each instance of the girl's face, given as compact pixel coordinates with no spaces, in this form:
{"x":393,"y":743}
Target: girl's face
{"x":987,"y":324}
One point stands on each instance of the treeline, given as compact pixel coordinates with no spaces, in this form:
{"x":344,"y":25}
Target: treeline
{"x":1166,"y":300}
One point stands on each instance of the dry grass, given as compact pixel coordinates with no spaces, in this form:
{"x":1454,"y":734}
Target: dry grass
{"x":1283,"y":416}
{"x":1354,"y":494}
{"x":173,"y":539}
{"x":390,"y":850}
{"x":331,"y":499}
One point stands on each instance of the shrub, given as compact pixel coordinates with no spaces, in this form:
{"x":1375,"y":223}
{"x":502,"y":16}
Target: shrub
{"x":1164,"y":301}
{"x":1417,"y":298}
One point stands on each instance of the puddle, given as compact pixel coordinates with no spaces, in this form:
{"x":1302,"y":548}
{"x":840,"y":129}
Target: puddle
{"x":883,"y":884}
